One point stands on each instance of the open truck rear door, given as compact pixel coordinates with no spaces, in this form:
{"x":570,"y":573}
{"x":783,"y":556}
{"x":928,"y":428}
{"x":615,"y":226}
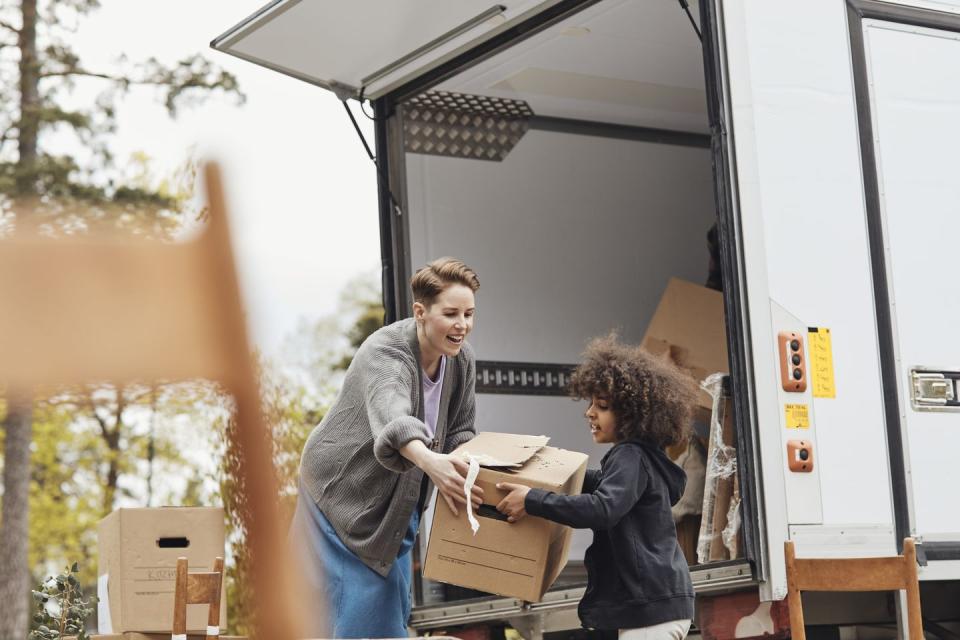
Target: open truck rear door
{"x":907,"y":73}
{"x":363,"y":48}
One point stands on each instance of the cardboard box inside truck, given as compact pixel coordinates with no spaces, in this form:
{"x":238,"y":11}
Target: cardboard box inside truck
{"x":689,"y":328}
{"x":519,"y":560}
{"x":138,"y":561}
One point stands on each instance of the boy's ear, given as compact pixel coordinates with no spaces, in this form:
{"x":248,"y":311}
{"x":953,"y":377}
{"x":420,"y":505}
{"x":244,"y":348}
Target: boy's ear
{"x":418,"y":310}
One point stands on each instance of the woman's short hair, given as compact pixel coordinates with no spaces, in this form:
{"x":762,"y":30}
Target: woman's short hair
{"x":430,"y":280}
{"x":651,"y":399}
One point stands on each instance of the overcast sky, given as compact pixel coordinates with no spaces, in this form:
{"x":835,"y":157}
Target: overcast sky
{"x":301,"y":190}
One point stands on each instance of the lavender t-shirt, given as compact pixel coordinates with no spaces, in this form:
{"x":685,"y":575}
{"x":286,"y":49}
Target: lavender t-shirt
{"x":431,"y":397}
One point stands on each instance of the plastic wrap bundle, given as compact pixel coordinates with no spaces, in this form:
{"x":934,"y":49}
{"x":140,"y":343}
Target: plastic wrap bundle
{"x":721,"y":522}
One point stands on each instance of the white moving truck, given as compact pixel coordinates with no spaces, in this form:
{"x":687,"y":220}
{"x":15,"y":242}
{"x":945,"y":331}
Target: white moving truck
{"x":576,"y":152}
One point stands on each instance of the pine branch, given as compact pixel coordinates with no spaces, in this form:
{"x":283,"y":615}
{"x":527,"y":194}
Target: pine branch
{"x":8,"y":136}
{"x":83,"y":72}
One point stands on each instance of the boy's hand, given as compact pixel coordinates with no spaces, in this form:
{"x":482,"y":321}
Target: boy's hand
{"x":514,"y":505}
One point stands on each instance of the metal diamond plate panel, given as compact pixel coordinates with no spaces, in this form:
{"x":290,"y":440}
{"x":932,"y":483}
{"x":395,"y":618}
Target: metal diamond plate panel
{"x":460,"y":125}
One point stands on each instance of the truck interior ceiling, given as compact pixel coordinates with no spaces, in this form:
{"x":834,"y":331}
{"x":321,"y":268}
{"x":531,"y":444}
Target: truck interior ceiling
{"x":572,"y":170}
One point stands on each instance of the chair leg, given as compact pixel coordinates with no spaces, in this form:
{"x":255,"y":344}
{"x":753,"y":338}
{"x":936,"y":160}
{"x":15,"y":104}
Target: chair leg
{"x":794,"y":601}
{"x":213,"y":617}
{"x":914,"y":618}
{"x":180,"y":601}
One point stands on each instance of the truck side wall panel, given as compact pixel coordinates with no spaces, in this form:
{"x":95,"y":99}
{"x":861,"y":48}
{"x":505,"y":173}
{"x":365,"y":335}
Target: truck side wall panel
{"x":806,"y":250}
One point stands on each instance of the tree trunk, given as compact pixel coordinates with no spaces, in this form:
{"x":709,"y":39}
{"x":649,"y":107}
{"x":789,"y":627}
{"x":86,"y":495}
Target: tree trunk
{"x":14,"y":526}
{"x":29,"y":101}
{"x":111,"y":437}
{"x":14,"y":532}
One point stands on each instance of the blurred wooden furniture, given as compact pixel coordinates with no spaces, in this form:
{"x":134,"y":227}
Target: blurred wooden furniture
{"x":853,"y":574}
{"x":197,"y":588}
{"x":93,"y":308}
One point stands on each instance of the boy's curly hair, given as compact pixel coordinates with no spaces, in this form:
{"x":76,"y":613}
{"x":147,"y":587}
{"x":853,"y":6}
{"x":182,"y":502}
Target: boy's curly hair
{"x":651,"y":398}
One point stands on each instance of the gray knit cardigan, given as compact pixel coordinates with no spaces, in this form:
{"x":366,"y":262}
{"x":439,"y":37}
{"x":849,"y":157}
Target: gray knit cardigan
{"x":351,"y":465}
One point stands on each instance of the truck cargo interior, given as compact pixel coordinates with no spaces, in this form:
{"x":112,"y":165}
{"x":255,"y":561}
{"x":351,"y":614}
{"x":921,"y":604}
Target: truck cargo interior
{"x":573,"y":170}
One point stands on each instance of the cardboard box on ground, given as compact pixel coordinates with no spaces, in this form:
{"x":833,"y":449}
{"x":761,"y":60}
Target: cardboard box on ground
{"x":519,"y":560}
{"x":689,"y":329}
{"x":138,"y":561}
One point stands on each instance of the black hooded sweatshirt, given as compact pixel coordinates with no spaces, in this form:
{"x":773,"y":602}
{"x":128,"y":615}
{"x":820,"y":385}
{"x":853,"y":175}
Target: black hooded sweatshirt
{"x":636,"y":573}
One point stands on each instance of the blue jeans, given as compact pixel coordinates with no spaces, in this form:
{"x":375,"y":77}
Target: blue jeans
{"x":360,"y":602}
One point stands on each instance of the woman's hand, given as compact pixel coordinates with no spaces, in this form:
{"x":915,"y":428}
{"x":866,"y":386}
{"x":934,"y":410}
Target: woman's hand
{"x":514,"y":505}
{"x":447,"y":472}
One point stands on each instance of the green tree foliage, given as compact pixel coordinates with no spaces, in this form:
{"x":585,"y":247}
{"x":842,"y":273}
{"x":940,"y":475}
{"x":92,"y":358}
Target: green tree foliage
{"x":65,"y":496}
{"x":89,"y":439}
{"x":321,"y":350}
{"x":289,"y":412}
{"x":39,"y":72}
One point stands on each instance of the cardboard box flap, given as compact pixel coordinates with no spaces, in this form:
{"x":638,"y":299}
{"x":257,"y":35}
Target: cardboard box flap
{"x":550,"y":468}
{"x":502,"y":449}
{"x":689,"y":324}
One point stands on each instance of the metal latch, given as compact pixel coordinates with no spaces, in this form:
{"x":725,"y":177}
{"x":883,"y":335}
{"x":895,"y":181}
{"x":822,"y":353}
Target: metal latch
{"x":934,"y":390}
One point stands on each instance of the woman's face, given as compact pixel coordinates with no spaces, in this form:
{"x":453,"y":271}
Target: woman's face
{"x":603,"y":424}
{"x":444,"y":325}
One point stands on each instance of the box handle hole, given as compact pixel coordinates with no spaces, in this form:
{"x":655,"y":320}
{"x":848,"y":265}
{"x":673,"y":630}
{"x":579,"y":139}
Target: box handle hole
{"x":173,"y":543}
{"x":487,"y":511}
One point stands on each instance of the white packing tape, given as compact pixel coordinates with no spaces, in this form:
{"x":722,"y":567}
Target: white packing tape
{"x":178,"y":636}
{"x":213,"y":631}
{"x":104,"y":623}
{"x":468,"y":490}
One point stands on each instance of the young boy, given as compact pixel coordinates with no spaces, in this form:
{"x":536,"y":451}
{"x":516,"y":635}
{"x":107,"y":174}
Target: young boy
{"x":637,"y":578}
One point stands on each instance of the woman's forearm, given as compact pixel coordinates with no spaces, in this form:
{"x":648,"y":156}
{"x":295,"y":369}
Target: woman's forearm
{"x":445,"y":471}
{"x":416,"y":452}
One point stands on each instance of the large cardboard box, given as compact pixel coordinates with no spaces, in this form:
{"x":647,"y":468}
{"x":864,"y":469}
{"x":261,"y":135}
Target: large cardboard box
{"x":519,"y":560}
{"x":688,"y":327}
{"x":138,"y":562}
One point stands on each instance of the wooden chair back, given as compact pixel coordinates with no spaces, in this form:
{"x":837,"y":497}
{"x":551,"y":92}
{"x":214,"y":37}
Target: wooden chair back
{"x":93,"y":309}
{"x":197,"y":588}
{"x":854,"y":574}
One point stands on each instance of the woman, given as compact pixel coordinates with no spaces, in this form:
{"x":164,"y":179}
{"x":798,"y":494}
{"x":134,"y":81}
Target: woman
{"x":407,"y":401}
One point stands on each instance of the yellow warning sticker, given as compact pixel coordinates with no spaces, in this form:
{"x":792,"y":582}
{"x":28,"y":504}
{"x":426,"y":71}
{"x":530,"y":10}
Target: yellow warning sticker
{"x":820,"y":355}
{"x":798,"y":416}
